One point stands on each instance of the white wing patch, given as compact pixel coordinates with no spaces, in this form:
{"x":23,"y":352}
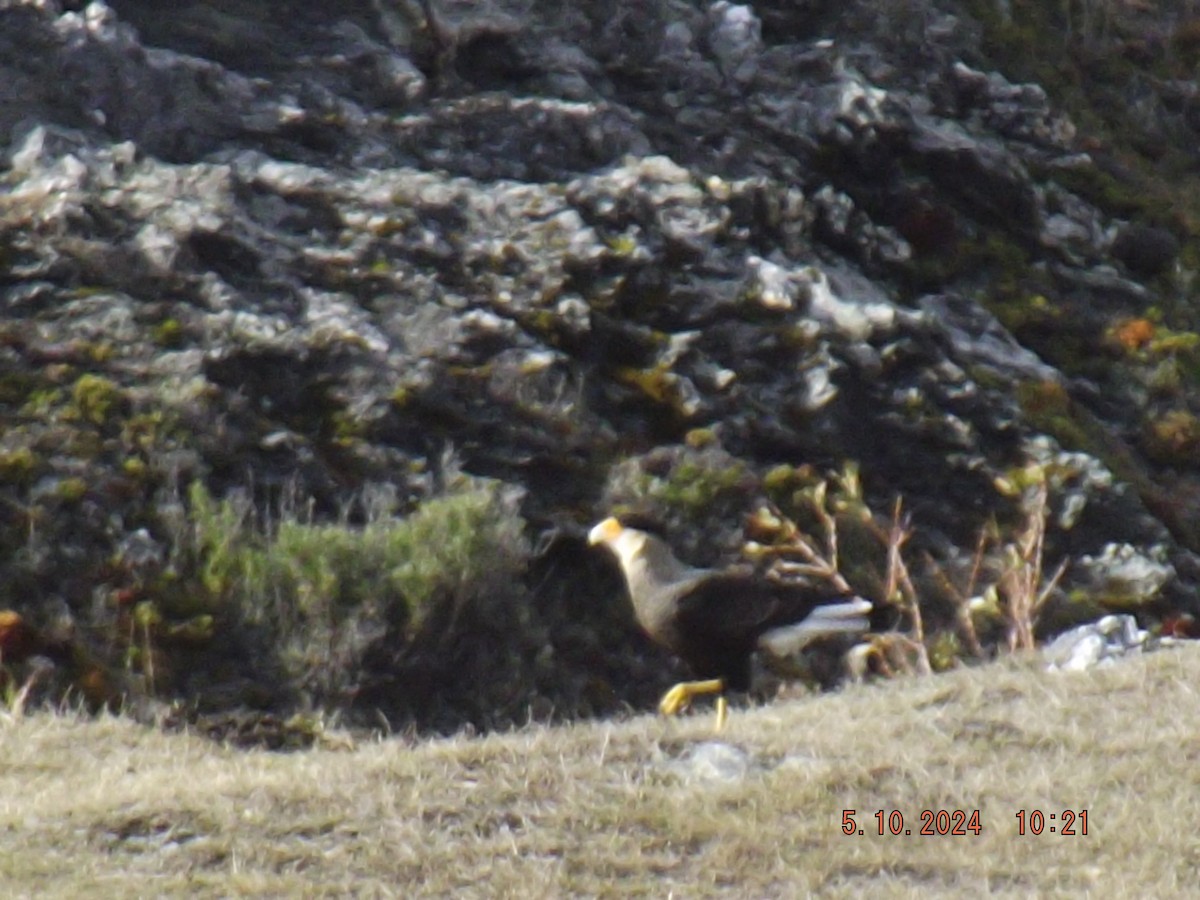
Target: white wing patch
{"x":832,"y":618}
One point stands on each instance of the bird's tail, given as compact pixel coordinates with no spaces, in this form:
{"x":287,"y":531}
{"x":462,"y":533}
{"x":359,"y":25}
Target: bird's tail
{"x":848,"y":617}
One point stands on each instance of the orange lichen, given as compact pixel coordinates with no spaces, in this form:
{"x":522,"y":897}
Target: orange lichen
{"x":1133,"y":334}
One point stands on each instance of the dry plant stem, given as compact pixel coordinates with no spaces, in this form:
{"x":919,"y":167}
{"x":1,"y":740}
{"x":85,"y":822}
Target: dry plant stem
{"x":829,"y":524}
{"x":1021,"y":580}
{"x":962,"y":615}
{"x":966,"y":623}
{"x":961,"y":599}
{"x":148,"y":649}
{"x":899,"y":583}
{"x":817,"y":564}
{"x":1022,"y":583}
{"x":977,"y":561}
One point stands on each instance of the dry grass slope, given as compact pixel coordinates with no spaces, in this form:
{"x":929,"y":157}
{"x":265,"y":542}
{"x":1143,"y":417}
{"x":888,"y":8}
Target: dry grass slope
{"x":109,"y":809}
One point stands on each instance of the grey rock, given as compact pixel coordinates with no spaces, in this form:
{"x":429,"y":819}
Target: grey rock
{"x":1123,"y":575}
{"x":1101,"y":643}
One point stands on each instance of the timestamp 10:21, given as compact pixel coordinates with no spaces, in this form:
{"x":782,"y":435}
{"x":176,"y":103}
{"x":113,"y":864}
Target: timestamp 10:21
{"x":1033,"y":821}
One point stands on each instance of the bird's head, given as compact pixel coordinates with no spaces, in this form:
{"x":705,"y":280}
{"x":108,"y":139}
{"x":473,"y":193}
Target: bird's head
{"x":626,"y":543}
{"x":639,"y":549}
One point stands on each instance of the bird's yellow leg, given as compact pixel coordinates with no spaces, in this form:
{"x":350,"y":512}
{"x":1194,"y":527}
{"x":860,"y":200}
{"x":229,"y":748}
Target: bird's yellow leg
{"x":680,"y":696}
{"x":722,"y":713}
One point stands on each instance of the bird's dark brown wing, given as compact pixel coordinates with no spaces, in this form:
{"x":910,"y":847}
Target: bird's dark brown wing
{"x":741,"y":604}
{"x":718,"y":619}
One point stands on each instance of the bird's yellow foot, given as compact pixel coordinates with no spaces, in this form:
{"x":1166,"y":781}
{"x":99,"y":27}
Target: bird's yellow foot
{"x":722,"y":713}
{"x":680,"y":697}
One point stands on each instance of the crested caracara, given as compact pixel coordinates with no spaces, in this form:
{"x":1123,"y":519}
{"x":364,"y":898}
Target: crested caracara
{"x":714,"y":620}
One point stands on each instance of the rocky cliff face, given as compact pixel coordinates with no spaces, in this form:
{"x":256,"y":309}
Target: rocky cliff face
{"x":668,"y":254}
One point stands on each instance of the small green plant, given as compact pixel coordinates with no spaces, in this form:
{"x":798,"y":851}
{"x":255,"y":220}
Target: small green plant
{"x":217,"y":536}
{"x":42,"y":402}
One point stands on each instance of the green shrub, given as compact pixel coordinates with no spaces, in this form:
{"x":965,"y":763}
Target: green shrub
{"x":326,"y":593}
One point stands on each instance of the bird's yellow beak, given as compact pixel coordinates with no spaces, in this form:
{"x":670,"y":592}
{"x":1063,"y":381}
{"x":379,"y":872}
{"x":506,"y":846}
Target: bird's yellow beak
{"x":606,"y":532}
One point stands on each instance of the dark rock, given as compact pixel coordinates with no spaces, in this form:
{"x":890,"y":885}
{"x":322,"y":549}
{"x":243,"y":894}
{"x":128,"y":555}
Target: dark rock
{"x":1145,"y":250}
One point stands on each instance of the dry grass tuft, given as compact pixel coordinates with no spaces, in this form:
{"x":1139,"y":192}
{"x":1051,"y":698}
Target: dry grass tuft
{"x":106,"y":808}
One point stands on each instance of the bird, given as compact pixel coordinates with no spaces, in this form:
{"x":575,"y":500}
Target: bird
{"x":714,"y":620}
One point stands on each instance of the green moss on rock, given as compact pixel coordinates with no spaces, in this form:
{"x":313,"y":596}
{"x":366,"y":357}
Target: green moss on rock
{"x":95,"y":398}
{"x":18,"y":465}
